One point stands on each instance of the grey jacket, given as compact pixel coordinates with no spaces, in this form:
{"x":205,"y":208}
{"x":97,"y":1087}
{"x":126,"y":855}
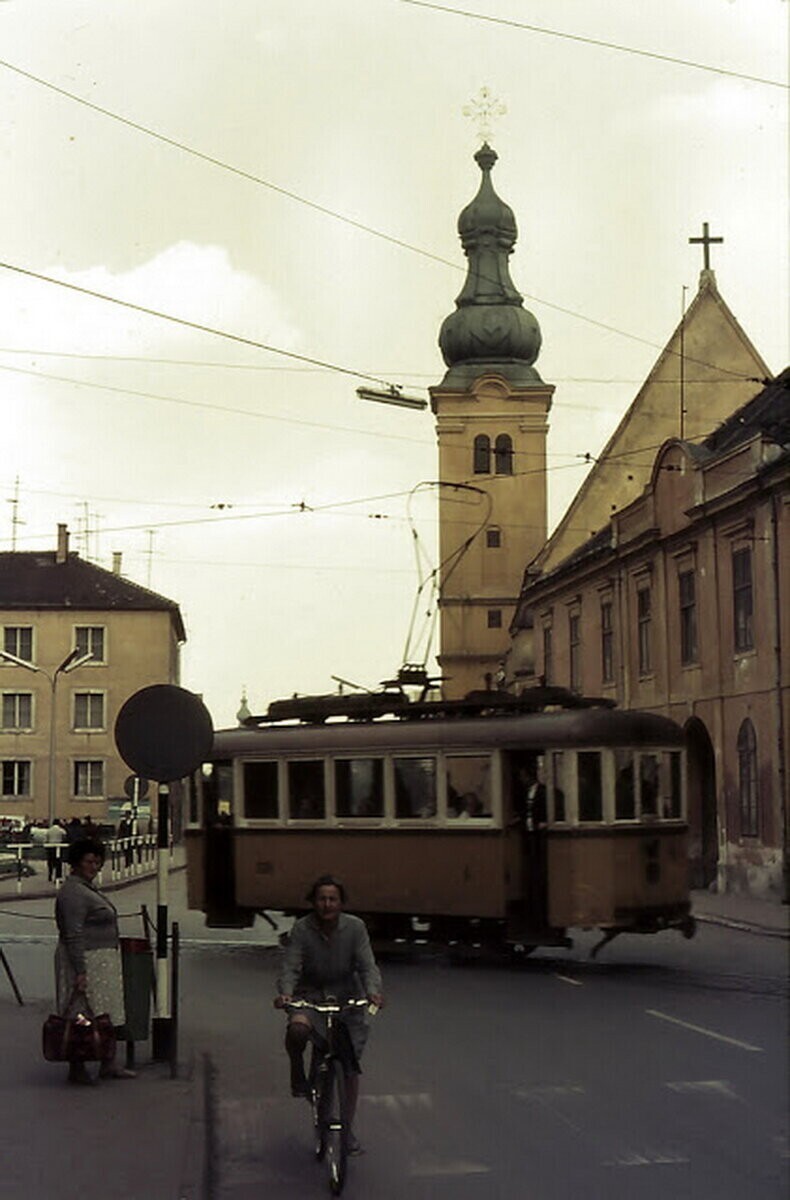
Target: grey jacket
{"x":86,"y":920}
{"x":341,"y":964}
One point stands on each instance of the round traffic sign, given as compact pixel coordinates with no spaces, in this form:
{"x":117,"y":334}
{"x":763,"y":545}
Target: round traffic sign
{"x":163,"y":732}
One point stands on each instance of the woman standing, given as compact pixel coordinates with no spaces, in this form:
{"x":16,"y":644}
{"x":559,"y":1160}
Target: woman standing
{"x":88,"y":958}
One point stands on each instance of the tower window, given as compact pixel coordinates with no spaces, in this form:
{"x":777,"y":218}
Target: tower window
{"x":493,"y":538}
{"x":482,"y":454}
{"x":503,"y":454}
{"x":495,"y":618}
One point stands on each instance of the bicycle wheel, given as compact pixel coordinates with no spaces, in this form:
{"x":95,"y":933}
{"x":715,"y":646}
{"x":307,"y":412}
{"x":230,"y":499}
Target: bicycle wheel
{"x":335,"y":1126}
{"x":317,"y":1081}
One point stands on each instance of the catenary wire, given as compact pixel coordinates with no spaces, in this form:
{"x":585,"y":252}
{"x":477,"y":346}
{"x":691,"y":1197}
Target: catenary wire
{"x":599,"y":42}
{"x":326,"y":211}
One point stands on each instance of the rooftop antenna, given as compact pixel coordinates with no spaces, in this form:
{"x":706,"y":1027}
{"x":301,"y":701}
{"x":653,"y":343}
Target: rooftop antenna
{"x":16,"y":521}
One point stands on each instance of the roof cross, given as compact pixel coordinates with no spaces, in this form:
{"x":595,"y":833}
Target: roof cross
{"x":482,"y":110}
{"x":706,"y":241}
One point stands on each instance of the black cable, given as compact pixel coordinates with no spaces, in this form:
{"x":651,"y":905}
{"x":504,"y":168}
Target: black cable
{"x":588,"y":41}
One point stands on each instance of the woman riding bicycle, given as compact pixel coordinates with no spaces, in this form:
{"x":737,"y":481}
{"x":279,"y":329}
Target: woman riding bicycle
{"x":328,"y":954}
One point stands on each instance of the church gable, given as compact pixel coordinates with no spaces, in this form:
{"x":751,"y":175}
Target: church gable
{"x":719,"y":369}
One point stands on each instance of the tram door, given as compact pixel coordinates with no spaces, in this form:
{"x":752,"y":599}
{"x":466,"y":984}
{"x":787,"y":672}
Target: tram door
{"x":528,"y":823}
{"x":220,"y":882}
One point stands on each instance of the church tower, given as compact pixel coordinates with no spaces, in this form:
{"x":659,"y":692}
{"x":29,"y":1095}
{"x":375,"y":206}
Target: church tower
{"x":491,"y":417}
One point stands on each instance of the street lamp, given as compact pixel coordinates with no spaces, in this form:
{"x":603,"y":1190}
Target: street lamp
{"x":70,"y":663}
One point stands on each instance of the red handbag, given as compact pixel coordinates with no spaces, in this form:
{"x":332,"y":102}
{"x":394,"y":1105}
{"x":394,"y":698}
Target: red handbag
{"x":81,"y":1037}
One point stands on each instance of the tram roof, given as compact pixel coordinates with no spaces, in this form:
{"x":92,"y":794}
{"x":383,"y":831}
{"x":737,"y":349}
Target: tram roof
{"x":582,"y":727}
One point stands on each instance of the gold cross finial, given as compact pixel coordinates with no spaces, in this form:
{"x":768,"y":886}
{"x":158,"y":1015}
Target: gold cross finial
{"x":482,"y":110}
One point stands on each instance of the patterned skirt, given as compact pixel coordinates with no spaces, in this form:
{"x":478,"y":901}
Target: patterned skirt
{"x":105,"y":982}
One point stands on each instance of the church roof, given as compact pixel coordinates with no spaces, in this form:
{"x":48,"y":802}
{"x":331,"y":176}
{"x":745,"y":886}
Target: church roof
{"x":36,"y":580}
{"x":767,"y":413}
{"x":490,"y":329}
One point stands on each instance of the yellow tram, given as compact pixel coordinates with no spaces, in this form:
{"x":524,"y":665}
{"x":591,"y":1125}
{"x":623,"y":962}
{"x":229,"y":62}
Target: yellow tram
{"x":494,"y":820}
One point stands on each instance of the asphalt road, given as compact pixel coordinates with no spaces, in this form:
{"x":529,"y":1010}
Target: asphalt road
{"x":657,"y":1071}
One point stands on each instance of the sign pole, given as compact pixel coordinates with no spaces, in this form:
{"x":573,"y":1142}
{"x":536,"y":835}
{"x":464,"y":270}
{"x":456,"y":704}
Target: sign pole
{"x":162,"y":1025}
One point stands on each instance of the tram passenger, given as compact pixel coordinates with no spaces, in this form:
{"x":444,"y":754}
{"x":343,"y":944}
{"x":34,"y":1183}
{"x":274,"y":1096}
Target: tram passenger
{"x":329,"y":953}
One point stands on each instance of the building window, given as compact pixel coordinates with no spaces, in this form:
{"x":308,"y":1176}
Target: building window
{"x":607,"y":643}
{"x":89,"y":778}
{"x":688,"y":617}
{"x":503,"y":454}
{"x":17,"y":710}
{"x":89,"y":639}
{"x":548,"y":662}
{"x":18,"y":640}
{"x":643,"y":616}
{"x":493,"y":538}
{"x":743,"y":599}
{"x":575,"y":648}
{"x":747,"y":778}
{"x":495,"y":618}
{"x":482,"y":454}
{"x":89,"y":710}
{"x":16,"y":777}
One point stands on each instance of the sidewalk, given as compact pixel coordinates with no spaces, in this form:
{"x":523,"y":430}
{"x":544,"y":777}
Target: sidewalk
{"x":737,"y":911}
{"x":36,"y":887}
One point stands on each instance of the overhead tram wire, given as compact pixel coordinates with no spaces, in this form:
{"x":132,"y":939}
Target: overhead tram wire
{"x":599,"y":42}
{"x":335,"y":215}
{"x":219,"y":408}
{"x":221,"y":333}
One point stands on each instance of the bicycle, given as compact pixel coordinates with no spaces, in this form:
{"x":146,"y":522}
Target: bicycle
{"x":327,"y":1089}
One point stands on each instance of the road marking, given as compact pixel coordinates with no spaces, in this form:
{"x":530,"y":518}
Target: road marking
{"x":720,"y":1037}
{"x":545,"y":1091}
{"x":719,"y":1087}
{"x":436,"y":1167}
{"x":404,"y":1100}
{"x":650,"y":1158}
{"x":569,"y":979}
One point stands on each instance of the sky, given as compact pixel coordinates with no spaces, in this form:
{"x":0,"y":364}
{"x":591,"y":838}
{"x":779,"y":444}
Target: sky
{"x":290,"y":172}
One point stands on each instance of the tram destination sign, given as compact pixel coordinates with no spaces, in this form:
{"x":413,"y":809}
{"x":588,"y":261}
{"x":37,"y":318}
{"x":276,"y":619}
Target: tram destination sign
{"x":164,"y":732}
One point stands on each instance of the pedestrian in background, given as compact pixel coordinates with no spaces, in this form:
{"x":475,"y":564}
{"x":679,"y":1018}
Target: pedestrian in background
{"x":55,"y":838}
{"x":88,"y":955}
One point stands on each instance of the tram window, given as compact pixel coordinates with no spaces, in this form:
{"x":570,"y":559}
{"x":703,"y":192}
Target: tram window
{"x":306,"y":799}
{"x":624,"y":786}
{"x":648,"y":784}
{"x":415,"y":787}
{"x":590,"y":793}
{"x":671,"y":804}
{"x":559,"y":785}
{"x":218,"y":791}
{"x":359,"y":787}
{"x":260,"y":790}
{"x":468,"y":786}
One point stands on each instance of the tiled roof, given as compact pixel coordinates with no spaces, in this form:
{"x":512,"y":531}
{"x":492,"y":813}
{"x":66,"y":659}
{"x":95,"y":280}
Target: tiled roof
{"x":32,"y":579}
{"x":767,"y":413}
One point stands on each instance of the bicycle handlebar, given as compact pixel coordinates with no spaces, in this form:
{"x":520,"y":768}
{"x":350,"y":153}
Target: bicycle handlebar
{"x":334,"y":1006}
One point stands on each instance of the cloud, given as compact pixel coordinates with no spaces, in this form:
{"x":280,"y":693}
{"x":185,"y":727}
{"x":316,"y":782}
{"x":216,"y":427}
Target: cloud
{"x":196,"y":282}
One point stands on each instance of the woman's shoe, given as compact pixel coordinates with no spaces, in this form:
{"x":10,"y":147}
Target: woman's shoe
{"x":79,"y":1074}
{"x":116,"y":1073}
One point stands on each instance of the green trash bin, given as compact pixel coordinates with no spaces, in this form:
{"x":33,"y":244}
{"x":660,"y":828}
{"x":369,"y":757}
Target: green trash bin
{"x":137,"y":961}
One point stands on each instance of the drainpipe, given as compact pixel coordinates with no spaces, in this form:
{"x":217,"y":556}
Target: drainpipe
{"x":780,"y":729}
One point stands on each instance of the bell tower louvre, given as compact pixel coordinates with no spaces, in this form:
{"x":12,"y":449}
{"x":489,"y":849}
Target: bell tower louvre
{"x":491,"y":420}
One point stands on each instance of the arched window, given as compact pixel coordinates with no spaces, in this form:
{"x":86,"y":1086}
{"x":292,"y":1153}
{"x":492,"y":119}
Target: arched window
{"x":503,"y":454}
{"x":482,"y":454}
{"x":747,"y":778}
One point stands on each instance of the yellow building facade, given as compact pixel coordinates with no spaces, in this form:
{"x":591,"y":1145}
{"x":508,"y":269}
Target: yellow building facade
{"x":84,"y":640}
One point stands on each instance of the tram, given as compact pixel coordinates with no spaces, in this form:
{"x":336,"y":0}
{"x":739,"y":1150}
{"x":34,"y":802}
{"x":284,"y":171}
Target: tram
{"x":495,"y":820}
